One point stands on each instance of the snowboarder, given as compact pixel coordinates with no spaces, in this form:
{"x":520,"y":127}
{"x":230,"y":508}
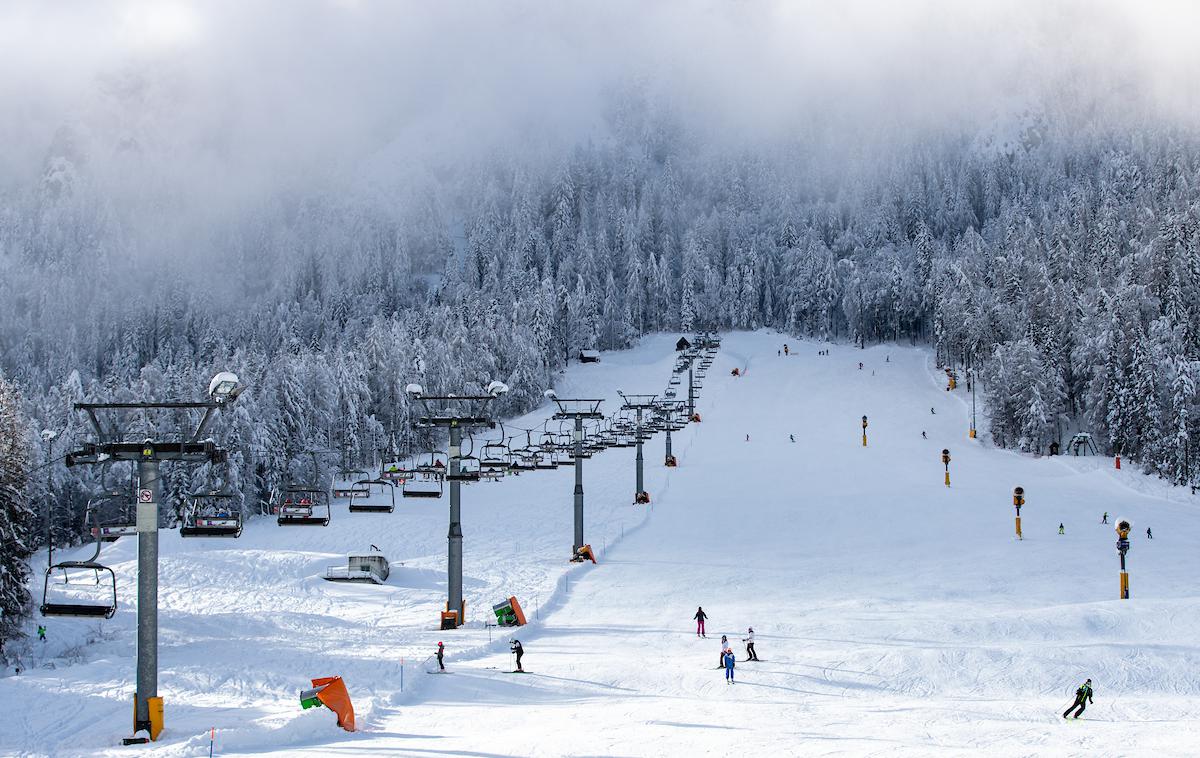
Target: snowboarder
{"x":728,"y":659}
{"x":1149,"y":536}
{"x":440,"y":652}
{"x":724,"y":649}
{"x":1060,"y":528}
{"x":792,"y":437}
{"x":515,"y":646}
{"x":1104,"y":519}
{"x":1083,"y":693}
{"x":42,"y":629}
{"x":923,"y":436}
{"x":749,"y":640}
{"x":700,"y":616}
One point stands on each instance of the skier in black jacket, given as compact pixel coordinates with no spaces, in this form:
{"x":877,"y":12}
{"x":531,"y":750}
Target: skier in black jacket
{"x":1084,"y":693}
{"x":515,"y":646}
{"x":700,"y":616}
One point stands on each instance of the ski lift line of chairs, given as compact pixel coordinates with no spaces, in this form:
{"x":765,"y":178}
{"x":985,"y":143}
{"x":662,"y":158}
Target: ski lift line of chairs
{"x":380,"y":497}
{"x":62,"y":604}
{"x":214,"y":513}
{"x":300,"y":505}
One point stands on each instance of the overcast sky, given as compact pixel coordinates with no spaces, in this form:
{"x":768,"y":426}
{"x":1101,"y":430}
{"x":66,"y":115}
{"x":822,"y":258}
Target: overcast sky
{"x":262,"y":89}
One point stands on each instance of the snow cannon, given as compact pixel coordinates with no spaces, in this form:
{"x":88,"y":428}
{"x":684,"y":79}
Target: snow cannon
{"x":642,"y":498}
{"x":671,"y":462}
{"x":509,"y":613}
{"x":584,"y":553}
{"x":1124,"y":526}
{"x":736,"y":371}
{"x":864,"y":431}
{"x":946,"y":463}
{"x":1018,"y":501}
{"x":330,"y":691}
{"x":695,"y":418}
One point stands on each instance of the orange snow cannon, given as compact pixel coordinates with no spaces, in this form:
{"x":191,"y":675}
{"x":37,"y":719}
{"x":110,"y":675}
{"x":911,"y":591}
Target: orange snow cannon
{"x":330,"y":691}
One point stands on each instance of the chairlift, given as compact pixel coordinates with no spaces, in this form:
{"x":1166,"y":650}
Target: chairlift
{"x":215,"y":513}
{"x":494,"y":458}
{"x":70,"y":602}
{"x":380,"y":497}
{"x":426,"y":482}
{"x":112,"y":514}
{"x":393,"y":471}
{"x":302,"y":505}
{"x":346,"y":484}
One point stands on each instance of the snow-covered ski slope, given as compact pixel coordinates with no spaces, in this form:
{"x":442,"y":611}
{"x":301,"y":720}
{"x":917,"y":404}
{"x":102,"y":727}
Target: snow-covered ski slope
{"x":893,"y":614}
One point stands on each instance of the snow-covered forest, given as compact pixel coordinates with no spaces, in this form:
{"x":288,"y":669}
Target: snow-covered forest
{"x":1052,"y":246}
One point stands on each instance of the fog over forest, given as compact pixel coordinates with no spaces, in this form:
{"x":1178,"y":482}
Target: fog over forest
{"x":336,"y":198}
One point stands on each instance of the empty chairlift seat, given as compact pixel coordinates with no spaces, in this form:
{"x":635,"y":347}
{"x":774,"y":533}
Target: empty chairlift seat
{"x":346,"y":485}
{"x":380,"y":497}
{"x":427,"y":482}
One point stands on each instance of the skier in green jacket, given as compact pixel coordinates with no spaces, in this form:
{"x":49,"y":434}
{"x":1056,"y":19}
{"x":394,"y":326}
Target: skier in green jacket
{"x":1083,"y":696}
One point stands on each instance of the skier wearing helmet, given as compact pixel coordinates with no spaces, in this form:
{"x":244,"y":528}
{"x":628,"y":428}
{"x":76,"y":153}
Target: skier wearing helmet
{"x":440,"y":652}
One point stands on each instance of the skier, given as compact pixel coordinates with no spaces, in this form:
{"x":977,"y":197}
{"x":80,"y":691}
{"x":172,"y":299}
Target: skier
{"x":42,"y":629}
{"x":724,"y":649}
{"x":749,"y":640}
{"x":728,"y":659}
{"x":792,"y":437}
{"x":747,"y":437}
{"x":932,"y":412}
{"x":700,"y":616}
{"x":887,"y":359}
{"x":923,"y":435}
{"x":1149,"y":536}
{"x":515,"y":646}
{"x":1060,"y":528}
{"x":1104,"y":520}
{"x":860,"y":365}
{"x":785,"y":349}
{"x":1083,"y":693}
{"x":778,"y":353}
{"x":440,"y":652}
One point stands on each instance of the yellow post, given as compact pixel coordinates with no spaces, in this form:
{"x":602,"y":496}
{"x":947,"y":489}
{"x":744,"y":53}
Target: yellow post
{"x":1019,"y":528}
{"x":156,"y":716}
{"x":972,"y":433}
{"x":1124,"y":585}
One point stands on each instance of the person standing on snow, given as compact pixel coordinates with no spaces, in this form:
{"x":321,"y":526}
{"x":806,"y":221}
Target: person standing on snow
{"x":700,"y":616}
{"x":1149,"y":536}
{"x":749,"y":640}
{"x":42,"y":630}
{"x":785,"y":348}
{"x":1083,"y":693}
{"x":1104,"y":519}
{"x":440,"y":652}
{"x":1060,"y":528}
{"x":724,"y":649}
{"x":792,"y":437}
{"x":515,"y":646}
{"x":728,"y":659}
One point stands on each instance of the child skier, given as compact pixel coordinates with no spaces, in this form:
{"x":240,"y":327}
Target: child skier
{"x":700,"y":616}
{"x":724,"y":649}
{"x":728,"y":659}
{"x":749,"y":640}
{"x":440,"y":652}
{"x":515,"y":646}
{"x":42,"y":629}
{"x":1083,"y":693}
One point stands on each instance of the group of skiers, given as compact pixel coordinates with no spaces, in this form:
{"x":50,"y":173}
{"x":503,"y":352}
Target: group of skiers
{"x":727,"y":659}
{"x":1103,"y":520}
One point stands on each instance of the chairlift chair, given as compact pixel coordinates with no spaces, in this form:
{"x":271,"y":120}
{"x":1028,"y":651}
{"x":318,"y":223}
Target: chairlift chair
{"x":71,"y":605}
{"x":426,"y":482}
{"x":112,"y":514}
{"x":301,"y":505}
{"x":215,"y":513}
{"x":380,"y":497}
{"x":345,"y":485}
{"x":494,"y":458}
{"x":469,"y":470}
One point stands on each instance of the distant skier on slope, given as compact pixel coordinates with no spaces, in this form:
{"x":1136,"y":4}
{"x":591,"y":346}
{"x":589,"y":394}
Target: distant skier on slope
{"x":792,"y":437}
{"x":1104,"y":519}
{"x":515,"y":646}
{"x":923,"y":435}
{"x":1149,"y":536}
{"x":749,"y":640}
{"x":1060,"y":528}
{"x":728,"y":660}
{"x":785,"y":349}
{"x":932,"y":412}
{"x":1083,"y":693}
{"x":700,"y":616}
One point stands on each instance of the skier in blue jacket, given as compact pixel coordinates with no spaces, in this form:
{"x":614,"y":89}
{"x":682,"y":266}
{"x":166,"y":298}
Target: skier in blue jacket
{"x":729,"y":666}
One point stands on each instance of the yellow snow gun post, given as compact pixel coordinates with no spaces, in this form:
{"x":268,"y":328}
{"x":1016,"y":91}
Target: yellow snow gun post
{"x":864,"y":431}
{"x":1123,"y":528}
{"x":946,"y":463}
{"x":1018,"y":501}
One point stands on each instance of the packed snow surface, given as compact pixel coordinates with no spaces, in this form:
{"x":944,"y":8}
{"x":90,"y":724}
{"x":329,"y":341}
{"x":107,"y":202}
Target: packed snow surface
{"x":893,"y":615}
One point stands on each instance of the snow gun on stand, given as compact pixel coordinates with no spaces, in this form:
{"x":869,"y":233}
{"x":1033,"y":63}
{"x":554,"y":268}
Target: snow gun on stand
{"x":509,"y":613}
{"x":946,"y":463}
{"x":330,"y":691}
{"x":1018,"y":501}
{"x":1123,"y":528}
{"x":584,"y":553}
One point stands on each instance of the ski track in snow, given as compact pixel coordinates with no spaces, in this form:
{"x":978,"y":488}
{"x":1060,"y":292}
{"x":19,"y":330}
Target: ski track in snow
{"x":893,"y":615}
